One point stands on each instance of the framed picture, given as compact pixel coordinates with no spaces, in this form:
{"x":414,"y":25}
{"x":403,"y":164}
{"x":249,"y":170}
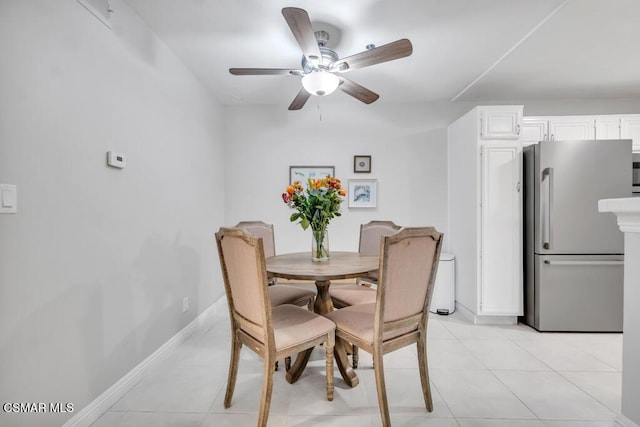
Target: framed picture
{"x":362,"y":193}
{"x":362,"y":164}
{"x":302,"y":173}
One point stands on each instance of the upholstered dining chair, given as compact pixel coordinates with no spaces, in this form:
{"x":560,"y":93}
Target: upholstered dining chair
{"x":271,"y":332}
{"x":280,"y":294}
{"x":371,"y":234}
{"x":408,"y":266}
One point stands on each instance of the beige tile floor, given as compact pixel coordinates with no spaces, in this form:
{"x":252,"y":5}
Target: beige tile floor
{"x":481,"y":376}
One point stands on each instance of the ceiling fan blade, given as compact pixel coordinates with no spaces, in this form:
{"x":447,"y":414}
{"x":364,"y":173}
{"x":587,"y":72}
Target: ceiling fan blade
{"x":361,"y":93}
{"x":300,"y":25}
{"x":388,"y":52}
{"x":263,"y":72}
{"x":300,"y":99}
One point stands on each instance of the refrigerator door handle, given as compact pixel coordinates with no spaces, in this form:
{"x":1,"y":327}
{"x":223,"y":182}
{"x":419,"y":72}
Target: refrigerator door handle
{"x":547,"y":230}
{"x":595,"y":262}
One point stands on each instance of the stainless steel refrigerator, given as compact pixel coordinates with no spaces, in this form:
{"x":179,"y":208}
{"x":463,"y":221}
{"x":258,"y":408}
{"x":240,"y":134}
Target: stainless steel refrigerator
{"x":573,"y":255}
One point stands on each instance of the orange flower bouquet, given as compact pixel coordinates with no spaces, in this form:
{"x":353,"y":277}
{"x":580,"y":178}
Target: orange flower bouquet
{"x":315,"y":206}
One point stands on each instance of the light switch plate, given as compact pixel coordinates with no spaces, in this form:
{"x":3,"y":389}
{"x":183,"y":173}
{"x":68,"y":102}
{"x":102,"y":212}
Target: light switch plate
{"x":8,"y":198}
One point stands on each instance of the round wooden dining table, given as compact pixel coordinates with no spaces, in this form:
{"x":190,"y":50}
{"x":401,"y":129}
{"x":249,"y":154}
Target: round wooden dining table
{"x":341,"y":265}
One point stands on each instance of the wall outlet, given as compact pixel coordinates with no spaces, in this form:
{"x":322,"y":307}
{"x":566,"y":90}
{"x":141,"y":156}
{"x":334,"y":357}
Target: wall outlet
{"x":185,"y":304}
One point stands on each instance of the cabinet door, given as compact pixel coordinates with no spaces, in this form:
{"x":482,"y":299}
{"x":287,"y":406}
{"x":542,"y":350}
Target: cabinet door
{"x":569,"y":128}
{"x":500,"y":123}
{"x":534,"y":130}
{"x":630,"y":128}
{"x":607,"y":127}
{"x":501,"y":230}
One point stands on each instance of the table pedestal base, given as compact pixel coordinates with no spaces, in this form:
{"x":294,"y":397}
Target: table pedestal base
{"x":323,"y":305}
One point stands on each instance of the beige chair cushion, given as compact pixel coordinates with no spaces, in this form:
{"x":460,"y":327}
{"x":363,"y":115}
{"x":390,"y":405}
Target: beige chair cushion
{"x":371,"y":234}
{"x":408,"y":271}
{"x":346,"y":295}
{"x":245,"y":280}
{"x":285,"y":294}
{"x":293,"y":325}
{"x":261,"y":229}
{"x":358,"y":320}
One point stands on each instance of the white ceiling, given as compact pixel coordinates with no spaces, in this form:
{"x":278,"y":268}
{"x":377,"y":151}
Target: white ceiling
{"x":463,"y":50}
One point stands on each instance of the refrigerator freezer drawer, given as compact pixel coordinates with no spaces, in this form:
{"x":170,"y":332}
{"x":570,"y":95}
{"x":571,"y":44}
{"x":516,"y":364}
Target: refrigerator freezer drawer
{"x":578,"y":293}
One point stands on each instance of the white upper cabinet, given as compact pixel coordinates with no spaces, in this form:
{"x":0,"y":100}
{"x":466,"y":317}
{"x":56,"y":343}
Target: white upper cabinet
{"x":556,"y":128}
{"x":534,"y":130}
{"x":607,"y":127}
{"x":500,"y":122}
{"x":630,"y":128}
{"x":625,"y":126}
{"x":566,"y":128}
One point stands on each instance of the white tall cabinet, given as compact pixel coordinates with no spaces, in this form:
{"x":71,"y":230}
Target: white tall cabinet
{"x":485,"y":212}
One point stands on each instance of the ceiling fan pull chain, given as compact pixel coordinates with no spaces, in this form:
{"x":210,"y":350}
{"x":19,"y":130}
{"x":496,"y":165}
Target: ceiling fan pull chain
{"x":319,"y":112}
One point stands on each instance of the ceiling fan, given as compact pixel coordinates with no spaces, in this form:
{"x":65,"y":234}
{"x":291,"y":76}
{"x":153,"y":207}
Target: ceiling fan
{"x":322,"y":69}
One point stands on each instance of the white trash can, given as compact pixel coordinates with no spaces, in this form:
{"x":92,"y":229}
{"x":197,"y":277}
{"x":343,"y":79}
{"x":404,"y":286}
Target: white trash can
{"x":443,"y":299}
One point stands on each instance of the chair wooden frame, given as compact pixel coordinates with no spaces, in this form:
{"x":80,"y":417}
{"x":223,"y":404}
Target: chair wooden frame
{"x":399,"y":332}
{"x":243,"y":329}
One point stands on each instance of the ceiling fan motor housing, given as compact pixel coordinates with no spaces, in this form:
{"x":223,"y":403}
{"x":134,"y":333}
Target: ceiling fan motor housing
{"x":328,"y":57}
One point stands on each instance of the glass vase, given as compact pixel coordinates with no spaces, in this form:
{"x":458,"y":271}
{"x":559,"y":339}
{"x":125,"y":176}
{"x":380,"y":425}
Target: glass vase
{"x":320,"y":245}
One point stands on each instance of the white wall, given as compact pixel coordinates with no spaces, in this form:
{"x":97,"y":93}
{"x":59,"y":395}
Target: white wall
{"x":463,"y":190}
{"x":408,"y":149}
{"x":95,"y":264}
{"x":407,"y":143}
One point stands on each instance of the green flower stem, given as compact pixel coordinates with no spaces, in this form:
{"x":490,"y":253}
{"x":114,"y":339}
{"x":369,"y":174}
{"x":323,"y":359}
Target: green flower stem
{"x":321,"y":250}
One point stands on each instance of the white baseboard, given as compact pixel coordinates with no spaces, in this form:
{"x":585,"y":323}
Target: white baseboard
{"x":485,"y":320}
{"x":94,"y":410}
{"x":625,"y":422}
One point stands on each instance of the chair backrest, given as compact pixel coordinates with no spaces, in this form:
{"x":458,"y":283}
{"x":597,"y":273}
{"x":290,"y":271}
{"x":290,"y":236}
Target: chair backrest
{"x":408,"y":266}
{"x":372,"y":232}
{"x":261,"y":229}
{"x":245,"y":281}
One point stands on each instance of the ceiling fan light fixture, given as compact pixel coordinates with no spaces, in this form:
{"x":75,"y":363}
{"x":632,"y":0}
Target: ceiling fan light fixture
{"x":320,"y":82}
